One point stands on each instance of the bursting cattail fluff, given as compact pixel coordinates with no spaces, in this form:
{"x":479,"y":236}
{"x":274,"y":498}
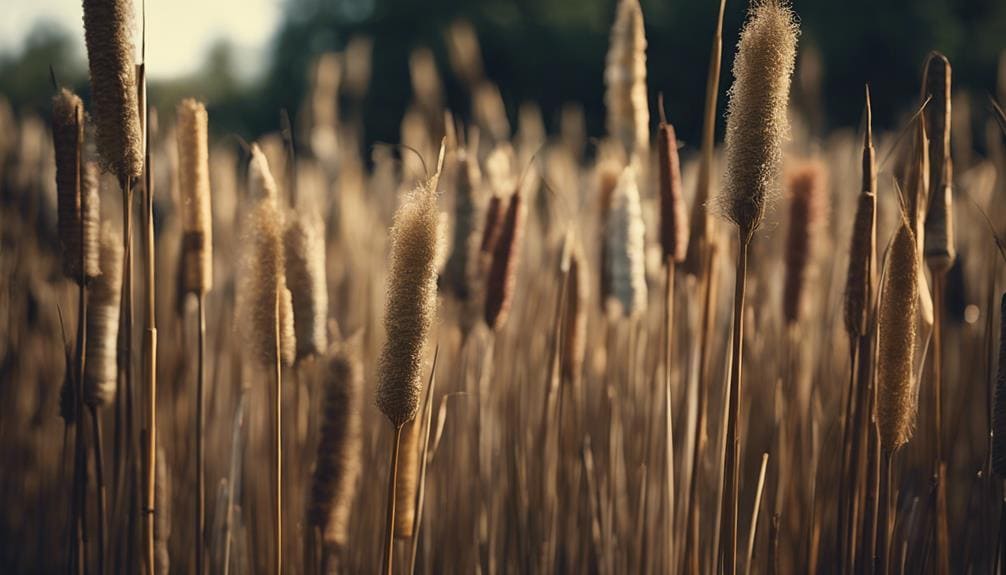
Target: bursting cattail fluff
{"x":407,"y":482}
{"x":756,"y":114}
{"x":194,"y":183}
{"x":625,"y":79}
{"x":673,"y":219}
{"x":896,"y":341}
{"x":338,"y":464}
{"x":101,"y":369}
{"x":73,"y":210}
{"x":939,"y":247}
{"x":459,"y":271}
{"x":863,"y":245}
{"x":806,"y":196}
{"x":264,"y":279}
{"x":502,"y":277}
{"x":305,"y":275}
{"x":625,"y":246}
{"x":108,"y":33}
{"x":411,"y":305}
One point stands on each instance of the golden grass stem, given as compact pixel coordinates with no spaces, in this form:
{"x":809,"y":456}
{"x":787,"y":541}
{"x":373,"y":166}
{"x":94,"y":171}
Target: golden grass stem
{"x":668,"y":411}
{"x":731,"y":489}
{"x":99,"y":474}
{"x":201,"y":437}
{"x":749,"y":566}
{"x":278,"y":438}
{"x":423,"y":463}
{"x":389,"y":526}
{"x":883,"y":561}
{"x":942,"y":529}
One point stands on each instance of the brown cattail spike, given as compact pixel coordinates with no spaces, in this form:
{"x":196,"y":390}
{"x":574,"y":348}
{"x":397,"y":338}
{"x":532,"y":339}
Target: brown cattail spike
{"x":756,"y":115}
{"x":896,"y":340}
{"x":673,"y":219}
{"x":408,"y":479}
{"x":863,"y":245}
{"x":411,"y":304}
{"x":108,"y":33}
{"x":338,"y":464}
{"x":68,"y":141}
{"x":101,"y":370}
{"x":502,"y":278}
{"x":194,"y":183}
{"x":305,"y":274}
{"x":574,"y":330}
{"x":940,"y":250}
{"x":459,"y":272}
{"x":807,"y":195}
{"x":625,"y":79}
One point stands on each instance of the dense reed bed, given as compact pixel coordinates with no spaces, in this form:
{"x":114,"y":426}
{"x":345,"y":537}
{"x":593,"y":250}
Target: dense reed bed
{"x":502,"y":350}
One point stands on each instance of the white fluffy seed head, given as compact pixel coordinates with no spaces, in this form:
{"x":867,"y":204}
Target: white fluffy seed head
{"x":625,"y":261}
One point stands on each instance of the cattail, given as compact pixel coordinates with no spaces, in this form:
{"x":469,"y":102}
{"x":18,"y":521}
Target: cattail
{"x":101,"y":369}
{"x":493,"y":223}
{"x":999,"y":401}
{"x":162,"y":519}
{"x":673,"y":219}
{"x":807,"y":195}
{"x":625,"y":79}
{"x":863,"y":245}
{"x":68,"y":141}
{"x":607,"y":179}
{"x":940,"y":251}
{"x":625,"y":246}
{"x":108,"y":33}
{"x":502,"y":278}
{"x":896,"y":341}
{"x":264,"y":278}
{"x":574,"y":331}
{"x":756,"y":114}
{"x":458,"y":273}
{"x":338,"y":464}
{"x":411,"y":304}
{"x":305,"y":274}
{"x":194,"y":183}
{"x":408,"y":479}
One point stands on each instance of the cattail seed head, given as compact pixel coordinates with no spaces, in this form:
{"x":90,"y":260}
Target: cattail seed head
{"x":575,"y":318}
{"x":263,"y":283}
{"x":459,"y":272}
{"x":493,"y":223}
{"x":863,"y":245}
{"x":896,"y":341}
{"x":101,"y":369}
{"x":756,"y":115}
{"x":805,"y":186}
{"x":68,"y":141}
{"x":108,"y":33}
{"x":305,"y":274}
{"x":673,"y":218}
{"x":939,"y":248}
{"x":194,"y":183}
{"x":625,"y":95}
{"x":502,"y":278}
{"x":411,"y":304}
{"x":338,"y":465}
{"x":407,"y":481}
{"x":625,"y":247}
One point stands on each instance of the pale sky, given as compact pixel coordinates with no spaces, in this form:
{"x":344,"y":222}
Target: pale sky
{"x":179,"y":32}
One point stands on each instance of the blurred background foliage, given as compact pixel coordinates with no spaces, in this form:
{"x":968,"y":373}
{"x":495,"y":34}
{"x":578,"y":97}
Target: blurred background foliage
{"x":552,"y":52}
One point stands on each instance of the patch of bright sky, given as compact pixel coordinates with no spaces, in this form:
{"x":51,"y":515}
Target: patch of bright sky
{"x":179,"y":32}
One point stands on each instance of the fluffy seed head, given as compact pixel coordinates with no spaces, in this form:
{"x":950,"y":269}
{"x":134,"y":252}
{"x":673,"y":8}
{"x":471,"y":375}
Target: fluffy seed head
{"x":407,"y":482}
{"x":896,"y":341}
{"x":673,"y":219}
{"x":863,"y":245}
{"x":502,"y":279}
{"x":194,"y":182}
{"x":625,"y":79}
{"x":625,"y":260}
{"x":101,"y":369}
{"x":264,"y":277}
{"x":805,"y":186}
{"x":108,"y":33}
{"x":338,"y":464}
{"x":411,"y":304}
{"x":305,"y":274}
{"x":756,"y":115}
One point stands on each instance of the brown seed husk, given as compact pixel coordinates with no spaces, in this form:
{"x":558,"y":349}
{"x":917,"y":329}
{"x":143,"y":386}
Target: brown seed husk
{"x":673,"y":216}
{"x":194,"y":184}
{"x":502,"y":278}
{"x":806,"y":209}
